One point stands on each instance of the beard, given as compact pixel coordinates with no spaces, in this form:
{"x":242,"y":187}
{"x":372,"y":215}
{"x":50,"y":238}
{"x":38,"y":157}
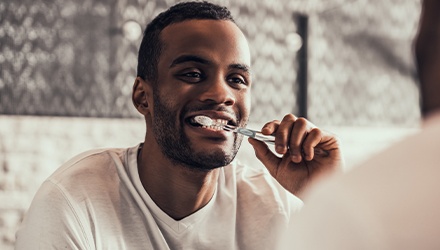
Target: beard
{"x":175,"y":144}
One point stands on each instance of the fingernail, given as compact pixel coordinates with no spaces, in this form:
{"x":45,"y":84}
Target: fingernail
{"x":280,"y":149}
{"x":296,"y":158}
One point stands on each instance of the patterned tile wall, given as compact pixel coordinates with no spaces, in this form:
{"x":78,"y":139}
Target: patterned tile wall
{"x":56,"y":58}
{"x":361,"y":64}
{"x":78,"y":57}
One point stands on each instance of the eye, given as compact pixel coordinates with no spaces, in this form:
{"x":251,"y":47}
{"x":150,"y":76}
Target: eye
{"x":193,"y":76}
{"x":238,"y":80}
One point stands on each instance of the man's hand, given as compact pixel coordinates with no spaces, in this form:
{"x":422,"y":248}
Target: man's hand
{"x":307,"y":152}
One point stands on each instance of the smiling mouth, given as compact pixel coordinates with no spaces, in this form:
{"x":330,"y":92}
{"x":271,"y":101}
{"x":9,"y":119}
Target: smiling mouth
{"x":210,"y":123}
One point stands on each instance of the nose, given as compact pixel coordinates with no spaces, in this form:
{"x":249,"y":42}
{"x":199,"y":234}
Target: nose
{"x":218,"y":91}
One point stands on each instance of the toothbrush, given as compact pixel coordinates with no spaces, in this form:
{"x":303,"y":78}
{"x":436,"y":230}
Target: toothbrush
{"x":207,"y":121}
{"x":269,"y":139}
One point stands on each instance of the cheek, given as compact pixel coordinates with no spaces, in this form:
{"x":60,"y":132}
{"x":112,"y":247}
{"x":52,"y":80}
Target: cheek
{"x":245,"y":104}
{"x":248,"y":101}
{"x":173,"y":101}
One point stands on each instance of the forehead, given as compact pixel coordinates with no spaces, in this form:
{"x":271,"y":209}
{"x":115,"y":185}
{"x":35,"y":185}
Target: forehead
{"x":218,"y":40}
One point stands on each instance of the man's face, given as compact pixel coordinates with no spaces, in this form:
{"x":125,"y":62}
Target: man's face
{"x":203,"y":70}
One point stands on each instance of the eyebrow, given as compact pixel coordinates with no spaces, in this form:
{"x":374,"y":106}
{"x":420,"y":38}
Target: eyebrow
{"x":189,"y":58}
{"x":239,"y":66}
{"x":193,"y":58}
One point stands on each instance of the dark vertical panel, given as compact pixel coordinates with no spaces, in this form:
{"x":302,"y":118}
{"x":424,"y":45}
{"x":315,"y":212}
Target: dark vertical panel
{"x":302,"y":57}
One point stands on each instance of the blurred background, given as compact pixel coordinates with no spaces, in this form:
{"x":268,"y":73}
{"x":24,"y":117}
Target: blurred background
{"x":67,"y":68}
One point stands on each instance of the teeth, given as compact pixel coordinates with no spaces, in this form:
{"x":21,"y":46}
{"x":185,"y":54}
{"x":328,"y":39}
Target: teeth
{"x":217,"y":124}
{"x":209,"y":123}
{"x":213,"y":127}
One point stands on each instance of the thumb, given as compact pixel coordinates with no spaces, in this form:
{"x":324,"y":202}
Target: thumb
{"x":265,"y":155}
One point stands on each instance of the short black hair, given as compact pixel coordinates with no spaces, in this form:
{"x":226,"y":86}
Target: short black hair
{"x":151,"y":45}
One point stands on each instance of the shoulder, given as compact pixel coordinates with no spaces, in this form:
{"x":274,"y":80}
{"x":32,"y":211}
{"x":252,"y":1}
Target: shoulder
{"x":93,"y":174}
{"x":82,"y":193}
{"x":383,"y":193}
{"x":51,"y":212}
{"x":90,"y":164}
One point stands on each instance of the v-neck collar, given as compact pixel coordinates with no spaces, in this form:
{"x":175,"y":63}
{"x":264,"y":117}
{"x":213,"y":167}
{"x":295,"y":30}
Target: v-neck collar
{"x":178,"y":226}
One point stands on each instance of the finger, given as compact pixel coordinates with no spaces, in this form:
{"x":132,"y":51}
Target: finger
{"x":283,"y":134}
{"x":313,"y":138}
{"x":298,"y":136}
{"x":263,"y":153}
{"x":270,"y":127}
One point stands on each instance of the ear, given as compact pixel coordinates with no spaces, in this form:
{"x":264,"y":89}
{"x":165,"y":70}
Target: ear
{"x":141,"y":96}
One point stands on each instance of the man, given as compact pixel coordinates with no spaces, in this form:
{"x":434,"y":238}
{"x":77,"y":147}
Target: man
{"x":393,"y":200}
{"x":180,"y":189}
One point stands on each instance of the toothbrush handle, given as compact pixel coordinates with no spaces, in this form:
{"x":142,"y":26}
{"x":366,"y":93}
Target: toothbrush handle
{"x":270,"y":139}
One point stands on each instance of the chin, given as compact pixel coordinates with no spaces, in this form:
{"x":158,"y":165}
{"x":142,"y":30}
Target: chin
{"x":212,"y":160}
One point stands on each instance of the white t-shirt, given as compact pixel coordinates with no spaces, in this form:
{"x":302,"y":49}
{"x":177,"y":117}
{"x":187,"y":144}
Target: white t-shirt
{"x":392,"y":201}
{"x":96,"y":201}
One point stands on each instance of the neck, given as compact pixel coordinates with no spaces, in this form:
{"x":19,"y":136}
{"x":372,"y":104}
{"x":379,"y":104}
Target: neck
{"x":178,"y":190}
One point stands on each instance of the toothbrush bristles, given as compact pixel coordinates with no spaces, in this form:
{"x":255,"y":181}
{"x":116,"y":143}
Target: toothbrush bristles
{"x":204,"y":120}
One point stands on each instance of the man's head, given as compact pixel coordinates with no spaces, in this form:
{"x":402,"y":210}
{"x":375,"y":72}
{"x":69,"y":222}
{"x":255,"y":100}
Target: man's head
{"x":201,"y":66}
{"x":152,"y":45}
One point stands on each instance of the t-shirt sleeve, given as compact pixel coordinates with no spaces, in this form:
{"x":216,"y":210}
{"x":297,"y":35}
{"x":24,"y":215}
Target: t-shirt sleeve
{"x":52,"y":222}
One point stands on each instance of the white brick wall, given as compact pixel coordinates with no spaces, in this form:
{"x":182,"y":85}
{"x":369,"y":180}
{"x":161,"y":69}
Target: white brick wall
{"x":31,"y":148}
